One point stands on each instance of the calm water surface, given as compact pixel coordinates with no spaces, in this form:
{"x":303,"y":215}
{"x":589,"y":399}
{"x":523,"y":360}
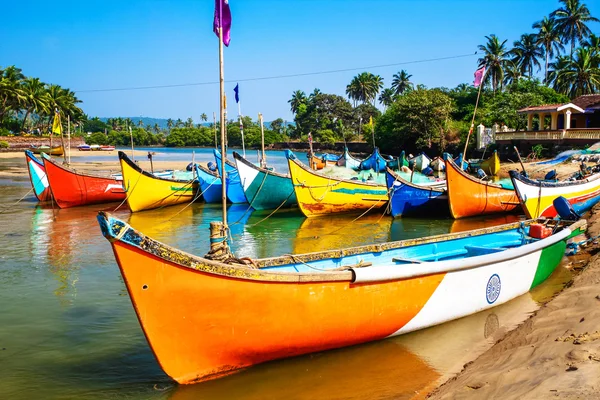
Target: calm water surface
{"x":68,"y":330}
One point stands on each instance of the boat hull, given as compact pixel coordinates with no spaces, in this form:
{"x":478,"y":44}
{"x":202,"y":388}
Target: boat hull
{"x":375,"y":162}
{"x":469,"y":197}
{"x":264,"y":189}
{"x":320,"y":195}
{"x":37,"y":177}
{"x":54,"y":151}
{"x":407,"y":199}
{"x":235,"y":191}
{"x":146,"y":191}
{"x":71,"y":188}
{"x":537,"y":197}
{"x":210,"y":185}
{"x":346,"y":160}
{"x":205,"y":319}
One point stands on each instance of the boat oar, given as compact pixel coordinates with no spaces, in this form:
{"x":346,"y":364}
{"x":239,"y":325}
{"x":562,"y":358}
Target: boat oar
{"x":520,"y":161}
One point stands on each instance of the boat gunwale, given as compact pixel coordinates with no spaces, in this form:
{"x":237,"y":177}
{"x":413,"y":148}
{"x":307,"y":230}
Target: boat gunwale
{"x":183,"y":259}
{"x":73,"y":171}
{"x":398,"y":178}
{"x":123,"y":157}
{"x":238,"y":157}
{"x":451,"y":162}
{"x":309,"y":170}
{"x":515,"y":175}
{"x":348,"y":155}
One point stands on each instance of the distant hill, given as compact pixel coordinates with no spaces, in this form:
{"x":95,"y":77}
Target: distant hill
{"x":162,"y":122}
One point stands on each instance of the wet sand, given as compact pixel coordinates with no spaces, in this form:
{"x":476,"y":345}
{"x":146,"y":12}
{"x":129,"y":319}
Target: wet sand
{"x":553,"y":354}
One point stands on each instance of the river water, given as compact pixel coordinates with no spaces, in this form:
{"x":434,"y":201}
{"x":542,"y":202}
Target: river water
{"x":68,"y":330}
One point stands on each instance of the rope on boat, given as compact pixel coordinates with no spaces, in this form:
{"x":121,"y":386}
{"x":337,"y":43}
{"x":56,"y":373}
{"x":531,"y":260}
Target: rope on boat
{"x":274,"y":211}
{"x":252,"y":202}
{"x":18,"y":201}
{"x":219,"y":249}
{"x":310,"y":188}
{"x":574,"y":246}
{"x":128,"y":191}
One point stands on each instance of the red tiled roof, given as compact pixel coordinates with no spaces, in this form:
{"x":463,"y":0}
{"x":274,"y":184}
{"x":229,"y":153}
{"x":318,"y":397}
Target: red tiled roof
{"x":542,"y":107}
{"x":587,"y":100}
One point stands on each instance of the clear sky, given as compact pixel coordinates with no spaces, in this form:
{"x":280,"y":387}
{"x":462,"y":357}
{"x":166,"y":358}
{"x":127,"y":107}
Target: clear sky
{"x":88,"y":45}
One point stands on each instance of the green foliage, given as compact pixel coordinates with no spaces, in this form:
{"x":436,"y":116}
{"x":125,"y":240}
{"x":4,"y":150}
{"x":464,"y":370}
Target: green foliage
{"x":3,"y":144}
{"x":416,"y":121}
{"x":326,"y":136}
{"x":537,"y":150}
{"x":94,"y":125}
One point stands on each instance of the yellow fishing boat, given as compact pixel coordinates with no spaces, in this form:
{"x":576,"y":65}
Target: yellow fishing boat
{"x":490,"y":166}
{"x":146,"y":191}
{"x":319,"y":195}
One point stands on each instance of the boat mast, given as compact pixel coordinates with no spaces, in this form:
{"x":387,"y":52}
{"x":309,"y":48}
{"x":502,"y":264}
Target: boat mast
{"x":473,"y":119}
{"x":68,"y":139}
{"x":215,"y":128}
{"x":263,"y":160}
{"x":222,"y":117}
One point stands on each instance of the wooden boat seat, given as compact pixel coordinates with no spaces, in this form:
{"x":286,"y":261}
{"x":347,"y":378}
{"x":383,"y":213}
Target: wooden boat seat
{"x":480,"y":250}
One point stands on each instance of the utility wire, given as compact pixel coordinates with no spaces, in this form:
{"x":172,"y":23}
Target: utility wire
{"x":334,"y":71}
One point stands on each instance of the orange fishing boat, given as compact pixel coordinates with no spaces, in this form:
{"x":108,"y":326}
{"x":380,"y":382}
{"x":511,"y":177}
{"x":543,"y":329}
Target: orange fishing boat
{"x":469,"y":196}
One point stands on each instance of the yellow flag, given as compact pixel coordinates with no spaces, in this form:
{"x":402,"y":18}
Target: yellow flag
{"x":56,"y":125}
{"x":371,"y":120}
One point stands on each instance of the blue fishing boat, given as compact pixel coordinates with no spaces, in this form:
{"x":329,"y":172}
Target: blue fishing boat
{"x":235,"y":191}
{"x":409,"y":199}
{"x":211,"y":186}
{"x":375,"y":162}
{"x":346,"y":160}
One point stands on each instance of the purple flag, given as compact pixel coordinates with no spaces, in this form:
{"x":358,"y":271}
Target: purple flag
{"x":479,"y":74}
{"x":223,"y":20}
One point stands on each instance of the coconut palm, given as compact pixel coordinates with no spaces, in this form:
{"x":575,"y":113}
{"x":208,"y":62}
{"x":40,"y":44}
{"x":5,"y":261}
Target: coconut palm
{"x":494,"y":58}
{"x":189,"y":122}
{"x":593,"y":43}
{"x":364,"y":87}
{"x":401,"y":82}
{"x":11,"y":92}
{"x":387,"y":97}
{"x":178,"y":123}
{"x":35,"y":98}
{"x":582,"y":75}
{"x":298,"y":97}
{"x":170,"y":124}
{"x":548,"y":37}
{"x":556,"y":75}
{"x":65,"y":101}
{"x":512,"y":73}
{"x":203,"y":117}
{"x":526,"y":52}
{"x":315,"y":93}
{"x":571,"y":20}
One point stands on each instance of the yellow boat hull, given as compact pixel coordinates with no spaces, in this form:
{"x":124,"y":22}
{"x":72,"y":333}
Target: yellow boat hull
{"x":146,"y":191}
{"x":320,"y":195}
{"x":491,"y":166}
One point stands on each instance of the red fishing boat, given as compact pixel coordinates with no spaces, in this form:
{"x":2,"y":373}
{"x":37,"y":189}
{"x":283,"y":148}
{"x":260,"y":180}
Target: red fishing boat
{"x":71,"y":188}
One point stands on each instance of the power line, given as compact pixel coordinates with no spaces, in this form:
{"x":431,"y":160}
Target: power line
{"x":263,"y":78}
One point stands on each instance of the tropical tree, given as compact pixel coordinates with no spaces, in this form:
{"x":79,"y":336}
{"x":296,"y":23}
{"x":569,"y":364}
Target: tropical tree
{"x":298,"y":97}
{"x":364,"y":87}
{"x":203,"y":117}
{"x":35,"y":98}
{"x":315,"y":93}
{"x":494,"y":58}
{"x":189,"y":122}
{"x":525,"y":53}
{"x":582,"y":75}
{"x":556,"y":75}
{"x":11,"y":92}
{"x":170,"y":124}
{"x":593,"y":43}
{"x":401,"y":82}
{"x":571,"y":20}
{"x":387,"y":96}
{"x":548,"y":37}
{"x":178,"y":123}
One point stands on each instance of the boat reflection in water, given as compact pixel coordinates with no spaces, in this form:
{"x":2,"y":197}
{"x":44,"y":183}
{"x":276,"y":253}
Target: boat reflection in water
{"x":407,"y":366}
{"x":485,"y":221}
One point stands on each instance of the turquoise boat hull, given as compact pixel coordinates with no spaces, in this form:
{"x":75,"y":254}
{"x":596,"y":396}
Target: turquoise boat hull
{"x":235,"y":191}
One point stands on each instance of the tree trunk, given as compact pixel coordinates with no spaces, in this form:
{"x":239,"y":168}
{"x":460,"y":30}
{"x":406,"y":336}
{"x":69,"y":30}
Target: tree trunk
{"x":25,"y":119}
{"x":546,"y":68}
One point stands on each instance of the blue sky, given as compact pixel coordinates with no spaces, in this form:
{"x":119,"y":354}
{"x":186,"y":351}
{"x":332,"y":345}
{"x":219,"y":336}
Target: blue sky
{"x":87,"y":45}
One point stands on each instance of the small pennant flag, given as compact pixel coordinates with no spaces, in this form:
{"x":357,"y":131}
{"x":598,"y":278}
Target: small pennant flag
{"x":371,"y":120}
{"x":56,"y":125}
{"x":223,"y":20}
{"x":236,"y":89}
{"x":479,"y":74}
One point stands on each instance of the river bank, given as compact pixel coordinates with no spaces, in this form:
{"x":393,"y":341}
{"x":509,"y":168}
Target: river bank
{"x":553,"y":354}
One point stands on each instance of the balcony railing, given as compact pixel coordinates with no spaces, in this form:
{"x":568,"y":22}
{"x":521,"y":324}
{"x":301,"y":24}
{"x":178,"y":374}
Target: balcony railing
{"x":561,"y":134}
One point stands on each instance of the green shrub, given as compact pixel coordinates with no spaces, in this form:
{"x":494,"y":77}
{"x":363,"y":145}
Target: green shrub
{"x":3,"y":144}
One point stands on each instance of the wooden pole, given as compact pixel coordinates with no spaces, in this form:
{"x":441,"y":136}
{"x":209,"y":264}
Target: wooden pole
{"x":263,"y":160}
{"x":215,"y":127}
{"x":131,"y":138}
{"x":241,"y":128}
{"x":474,"y":112}
{"x":520,"y":161}
{"x":69,"y":139}
{"x":222,"y":111}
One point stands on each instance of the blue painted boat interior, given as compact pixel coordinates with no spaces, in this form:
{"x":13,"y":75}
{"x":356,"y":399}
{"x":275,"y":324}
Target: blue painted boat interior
{"x":445,"y":250}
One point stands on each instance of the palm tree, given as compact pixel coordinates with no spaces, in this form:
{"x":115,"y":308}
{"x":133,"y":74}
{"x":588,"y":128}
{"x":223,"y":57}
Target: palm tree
{"x":526,"y":53}
{"x":140,"y":122}
{"x":65,"y":101}
{"x":189,"y":123}
{"x":178,"y":123}
{"x":203,"y":117}
{"x":593,"y":42}
{"x":512,"y":73}
{"x":11,"y":92}
{"x":548,"y":37}
{"x":494,"y":58}
{"x":556,"y":75}
{"x":387,"y":97}
{"x":298,"y":97}
{"x":571,"y":21}
{"x":364,"y":87}
{"x":582,"y":75}
{"x":170,"y":124}
{"x":401,"y":82}
{"x":315,"y":93}
{"x":35,"y":97}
